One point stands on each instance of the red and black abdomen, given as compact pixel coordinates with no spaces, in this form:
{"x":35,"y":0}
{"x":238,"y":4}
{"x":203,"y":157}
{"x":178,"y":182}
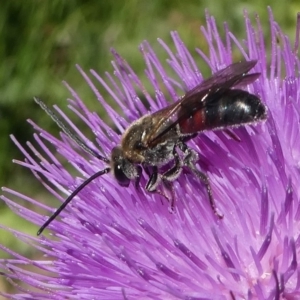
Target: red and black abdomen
{"x":223,"y":108}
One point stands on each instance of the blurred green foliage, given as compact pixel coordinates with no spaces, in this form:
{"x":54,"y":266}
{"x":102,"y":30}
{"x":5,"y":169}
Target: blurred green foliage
{"x":41,"y":41}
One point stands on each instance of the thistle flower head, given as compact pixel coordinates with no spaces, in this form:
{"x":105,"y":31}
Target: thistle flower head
{"x":113,"y":242}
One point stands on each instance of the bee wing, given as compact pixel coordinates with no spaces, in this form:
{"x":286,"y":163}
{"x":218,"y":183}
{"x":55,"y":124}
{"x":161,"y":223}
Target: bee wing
{"x":231,"y":76}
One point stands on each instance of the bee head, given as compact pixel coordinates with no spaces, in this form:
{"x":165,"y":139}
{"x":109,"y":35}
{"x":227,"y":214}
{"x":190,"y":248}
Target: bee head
{"x":124,"y":171}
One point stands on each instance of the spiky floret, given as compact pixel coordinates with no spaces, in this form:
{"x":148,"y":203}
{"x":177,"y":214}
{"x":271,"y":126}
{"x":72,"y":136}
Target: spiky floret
{"x":114,"y":243}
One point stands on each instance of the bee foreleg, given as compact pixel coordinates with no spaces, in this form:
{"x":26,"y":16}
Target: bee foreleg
{"x":138,"y":178}
{"x":167,"y":178}
{"x":154,"y":180}
{"x":190,"y":158}
{"x":174,"y":172}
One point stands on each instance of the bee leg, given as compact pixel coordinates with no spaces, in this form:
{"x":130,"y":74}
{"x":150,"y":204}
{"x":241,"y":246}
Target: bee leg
{"x":138,"y":178}
{"x":154,"y":181}
{"x":172,"y":174}
{"x":190,"y":159}
{"x":166,"y":178}
{"x":170,"y":187}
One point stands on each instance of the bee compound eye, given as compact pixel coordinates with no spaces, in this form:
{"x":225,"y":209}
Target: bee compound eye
{"x":122,"y":179}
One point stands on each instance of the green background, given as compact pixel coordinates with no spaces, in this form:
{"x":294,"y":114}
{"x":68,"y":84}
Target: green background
{"x":41,"y":41}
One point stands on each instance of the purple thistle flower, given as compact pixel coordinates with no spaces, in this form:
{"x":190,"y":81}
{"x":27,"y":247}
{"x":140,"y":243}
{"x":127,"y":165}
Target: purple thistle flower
{"x":113,"y":242}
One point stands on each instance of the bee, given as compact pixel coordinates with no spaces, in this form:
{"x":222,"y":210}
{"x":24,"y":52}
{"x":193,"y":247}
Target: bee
{"x":154,"y":140}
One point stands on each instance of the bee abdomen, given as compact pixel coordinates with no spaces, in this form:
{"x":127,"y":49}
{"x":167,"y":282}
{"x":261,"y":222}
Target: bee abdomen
{"x":225,"y":108}
{"x":235,"y":107}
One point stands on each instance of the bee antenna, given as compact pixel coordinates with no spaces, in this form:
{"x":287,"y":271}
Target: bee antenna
{"x":68,"y":200}
{"x":68,"y":132}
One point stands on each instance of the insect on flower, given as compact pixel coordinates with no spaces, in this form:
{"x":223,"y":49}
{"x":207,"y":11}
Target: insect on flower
{"x":155,"y":139}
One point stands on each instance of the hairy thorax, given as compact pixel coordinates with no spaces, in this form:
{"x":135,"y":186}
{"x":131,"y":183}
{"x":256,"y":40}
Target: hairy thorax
{"x":139,"y":147}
